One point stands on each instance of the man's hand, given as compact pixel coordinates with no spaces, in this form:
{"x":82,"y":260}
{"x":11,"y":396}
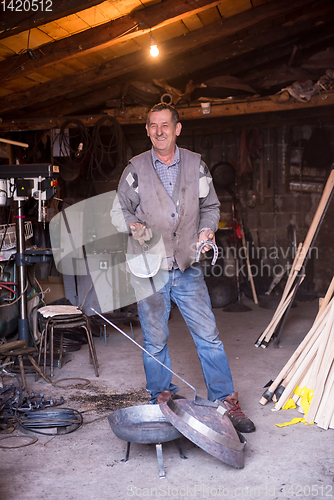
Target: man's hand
{"x":140,"y":232}
{"x":206,"y":235}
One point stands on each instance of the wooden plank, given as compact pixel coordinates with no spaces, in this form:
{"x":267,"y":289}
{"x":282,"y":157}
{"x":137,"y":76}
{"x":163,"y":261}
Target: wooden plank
{"x":164,"y":33}
{"x":4,"y":92}
{"x":135,"y":115}
{"x":326,"y":406}
{"x":47,"y":123}
{"x":71,"y":24}
{"x":264,"y":338}
{"x":238,"y":56}
{"x":94,"y":16}
{"x":90,"y":60}
{"x":76,"y":65}
{"x":298,"y":375}
{"x":192,"y":22}
{"x":317,"y":219}
{"x":122,"y":49}
{"x":107,"y":34}
{"x":110,"y":9}
{"x":253,"y":106}
{"x":302,"y":349}
{"x":327,"y":360}
{"x":306,"y":247}
{"x":5,"y":52}
{"x":19,"y":85}
{"x":63,"y":69}
{"x":21,"y":21}
{"x":209,"y":16}
{"x":53,"y":29}
{"x":49,"y":73}
{"x":280,"y":310}
{"x":126,"y":6}
{"x":228,"y":9}
{"x":326,"y":299}
{"x":159,"y":14}
{"x":38,"y":78}
{"x":19,"y":42}
{"x":134,"y":62}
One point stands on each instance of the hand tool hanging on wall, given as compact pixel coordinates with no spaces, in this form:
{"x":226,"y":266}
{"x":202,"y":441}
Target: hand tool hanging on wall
{"x":237,"y":306}
{"x":236,"y":220}
{"x":297,"y":271}
{"x":250,"y":276}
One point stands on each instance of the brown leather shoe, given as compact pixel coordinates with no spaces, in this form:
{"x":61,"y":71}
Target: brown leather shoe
{"x":164,"y":396}
{"x":239,"y":420}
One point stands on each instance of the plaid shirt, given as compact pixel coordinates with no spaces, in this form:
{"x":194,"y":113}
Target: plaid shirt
{"x":167,"y":173}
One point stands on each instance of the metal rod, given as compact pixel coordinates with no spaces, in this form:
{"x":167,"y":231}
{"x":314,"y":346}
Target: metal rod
{"x":142,"y":348}
{"x":23,"y":326}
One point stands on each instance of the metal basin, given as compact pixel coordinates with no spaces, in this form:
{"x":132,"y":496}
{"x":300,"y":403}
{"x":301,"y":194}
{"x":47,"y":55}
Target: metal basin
{"x":144,"y":424}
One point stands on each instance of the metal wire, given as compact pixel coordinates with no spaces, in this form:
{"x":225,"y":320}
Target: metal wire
{"x":108,"y":156}
{"x":31,"y":439}
{"x":74,"y":147}
{"x":51,"y":419}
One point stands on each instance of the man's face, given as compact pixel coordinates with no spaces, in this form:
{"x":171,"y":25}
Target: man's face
{"x":163,"y":132}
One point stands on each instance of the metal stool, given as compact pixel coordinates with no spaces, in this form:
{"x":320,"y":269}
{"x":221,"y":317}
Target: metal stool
{"x":64,"y":317}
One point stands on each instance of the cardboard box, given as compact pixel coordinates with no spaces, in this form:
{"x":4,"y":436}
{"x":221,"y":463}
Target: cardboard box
{"x":56,"y":288}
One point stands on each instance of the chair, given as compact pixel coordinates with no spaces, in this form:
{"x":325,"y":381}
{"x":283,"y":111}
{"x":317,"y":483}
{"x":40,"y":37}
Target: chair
{"x":63,"y":317}
{"x":18,"y":350}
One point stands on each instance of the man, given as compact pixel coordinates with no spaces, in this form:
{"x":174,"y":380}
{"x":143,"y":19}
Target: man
{"x":169,"y":190}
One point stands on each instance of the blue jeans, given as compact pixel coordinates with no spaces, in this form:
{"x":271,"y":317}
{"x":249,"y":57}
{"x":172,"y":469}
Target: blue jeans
{"x":188,"y":290}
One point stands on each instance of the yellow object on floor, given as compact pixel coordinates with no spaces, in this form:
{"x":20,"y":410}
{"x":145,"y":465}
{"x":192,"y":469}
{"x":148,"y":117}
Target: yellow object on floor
{"x":289,"y":405}
{"x":306,"y":396}
{"x":295,"y":420}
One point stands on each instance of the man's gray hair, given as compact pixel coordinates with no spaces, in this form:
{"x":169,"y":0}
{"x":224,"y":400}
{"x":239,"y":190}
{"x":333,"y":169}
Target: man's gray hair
{"x":161,"y":107}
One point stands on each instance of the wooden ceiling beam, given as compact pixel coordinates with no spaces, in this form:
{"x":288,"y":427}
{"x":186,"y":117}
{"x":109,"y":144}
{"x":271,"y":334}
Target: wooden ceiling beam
{"x":140,"y":21}
{"x":14,"y":21}
{"x":317,"y":106}
{"x":106,"y":35}
{"x":272,"y":55}
{"x":132,"y":62}
{"x":264,"y":49}
{"x":78,"y":104}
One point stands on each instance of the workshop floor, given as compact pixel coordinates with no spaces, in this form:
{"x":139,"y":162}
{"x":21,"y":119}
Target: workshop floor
{"x":288,"y":462}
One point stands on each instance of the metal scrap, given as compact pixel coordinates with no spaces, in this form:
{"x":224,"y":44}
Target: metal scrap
{"x":14,"y":400}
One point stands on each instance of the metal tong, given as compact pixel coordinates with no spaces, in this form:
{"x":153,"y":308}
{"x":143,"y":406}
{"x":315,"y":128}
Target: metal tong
{"x":197,"y":399}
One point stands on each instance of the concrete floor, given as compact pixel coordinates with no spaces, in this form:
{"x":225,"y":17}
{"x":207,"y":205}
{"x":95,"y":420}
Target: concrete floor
{"x":289,"y":462}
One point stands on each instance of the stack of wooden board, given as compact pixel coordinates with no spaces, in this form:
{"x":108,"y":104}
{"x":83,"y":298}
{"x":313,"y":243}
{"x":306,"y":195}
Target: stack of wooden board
{"x":296,"y":274}
{"x":310,"y":371}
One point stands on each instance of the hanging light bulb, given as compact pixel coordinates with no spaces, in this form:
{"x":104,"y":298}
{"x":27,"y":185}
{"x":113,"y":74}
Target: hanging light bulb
{"x":154,"y":51}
